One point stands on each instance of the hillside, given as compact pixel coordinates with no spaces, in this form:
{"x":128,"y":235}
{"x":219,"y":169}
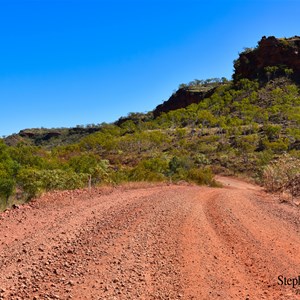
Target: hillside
{"x":214,"y":126}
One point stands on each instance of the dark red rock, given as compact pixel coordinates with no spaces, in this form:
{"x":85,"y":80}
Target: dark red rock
{"x":181,"y":99}
{"x":283,"y":53}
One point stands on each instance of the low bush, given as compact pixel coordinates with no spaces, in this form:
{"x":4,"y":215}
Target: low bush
{"x":202,"y":176}
{"x":33,"y":182}
{"x":279,"y":175}
{"x":7,"y":186}
{"x":29,"y":180}
{"x":140,"y":173}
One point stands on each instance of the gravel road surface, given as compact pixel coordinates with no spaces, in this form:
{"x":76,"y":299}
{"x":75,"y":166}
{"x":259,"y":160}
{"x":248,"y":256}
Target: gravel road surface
{"x":152,"y":242}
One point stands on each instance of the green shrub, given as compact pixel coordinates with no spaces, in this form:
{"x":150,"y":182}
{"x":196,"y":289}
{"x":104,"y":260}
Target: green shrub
{"x":140,"y":173}
{"x":7,"y":187}
{"x":157,"y":165}
{"x":33,"y":182}
{"x":178,"y":164}
{"x":201,"y":176}
{"x":264,"y":157}
{"x":152,"y":169}
{"x":201,"y":159}
{"x":278,"y":146}
{"x":272,"y":131}
{"x":92,"y":165}
{"x":119,"y":176}
{"x":75,"y":181}
{"x":29,"y":180}
{"x":62,"y":180}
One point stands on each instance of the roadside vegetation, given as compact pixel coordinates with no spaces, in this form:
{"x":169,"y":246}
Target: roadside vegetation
{"x":243,"y":128}
{"x":283,"y":176}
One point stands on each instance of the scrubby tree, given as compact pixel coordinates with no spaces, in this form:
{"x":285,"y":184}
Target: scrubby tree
{"x":7,"y":187}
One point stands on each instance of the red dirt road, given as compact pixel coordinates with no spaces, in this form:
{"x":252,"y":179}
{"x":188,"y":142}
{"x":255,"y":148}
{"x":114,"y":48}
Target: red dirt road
{"x":163,"y":242}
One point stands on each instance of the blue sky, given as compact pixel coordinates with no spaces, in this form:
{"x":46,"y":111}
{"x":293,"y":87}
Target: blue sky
{"x":70,"y":62}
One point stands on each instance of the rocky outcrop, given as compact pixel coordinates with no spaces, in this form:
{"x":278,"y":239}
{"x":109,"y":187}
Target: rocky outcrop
{"x":42,"y":134}
{"x":50,"y":137}
{"x":182,"y":98}
{"x":27,"y":133}
{"x":273,"y":57}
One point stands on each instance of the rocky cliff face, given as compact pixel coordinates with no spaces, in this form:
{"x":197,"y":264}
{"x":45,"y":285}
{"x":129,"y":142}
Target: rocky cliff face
{"x":272,"y":58}
{"x":182,"y":98}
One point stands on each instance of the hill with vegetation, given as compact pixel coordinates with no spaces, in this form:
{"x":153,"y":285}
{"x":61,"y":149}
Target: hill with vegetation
{"x":246,"y":126}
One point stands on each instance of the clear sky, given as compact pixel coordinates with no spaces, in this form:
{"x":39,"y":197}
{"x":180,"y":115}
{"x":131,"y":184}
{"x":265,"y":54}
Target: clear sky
{"x":69,"y":62}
